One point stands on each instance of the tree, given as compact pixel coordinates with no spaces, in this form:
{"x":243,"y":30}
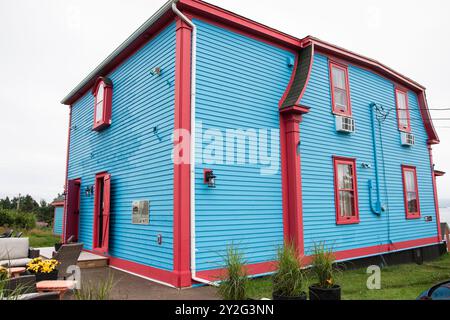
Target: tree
{"x":5,"y":203}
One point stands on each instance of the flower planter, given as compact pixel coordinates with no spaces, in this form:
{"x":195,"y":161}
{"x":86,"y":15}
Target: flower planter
{"x":319,"y":293}
{"x":301,"y":297}
{"x":46,"y":276}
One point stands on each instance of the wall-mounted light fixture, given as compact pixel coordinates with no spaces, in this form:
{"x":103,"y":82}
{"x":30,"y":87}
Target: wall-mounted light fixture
{"x":156,"y":71}
{"x":89,"y":191}
{"x":209,"y":178}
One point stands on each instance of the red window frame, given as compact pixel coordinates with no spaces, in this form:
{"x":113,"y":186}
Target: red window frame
{"x":341,"y":219}
{"x":410,"y":215}
{"x":408,"y":117}
{"x":105,"y":121}
{"x":337,"y":109}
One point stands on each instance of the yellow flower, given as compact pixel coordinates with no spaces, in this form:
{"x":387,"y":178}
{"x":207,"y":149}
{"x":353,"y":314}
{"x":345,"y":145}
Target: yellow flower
{"x":330,"y":282}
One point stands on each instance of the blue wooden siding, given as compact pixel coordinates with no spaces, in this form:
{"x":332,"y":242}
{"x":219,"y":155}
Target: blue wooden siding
{"x":240,"y":82}
{"x":139,"y":162}
{"x":57,"y":223}
{"x":320,"y":141}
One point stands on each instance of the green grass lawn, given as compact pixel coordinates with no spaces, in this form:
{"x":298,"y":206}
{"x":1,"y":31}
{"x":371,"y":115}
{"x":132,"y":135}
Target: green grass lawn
{"x":402,"y":282}
{"x":39,"y":237}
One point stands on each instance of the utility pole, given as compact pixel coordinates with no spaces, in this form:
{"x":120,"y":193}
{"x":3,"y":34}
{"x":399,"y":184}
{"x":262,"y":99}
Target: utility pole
{"x":18,"y":203}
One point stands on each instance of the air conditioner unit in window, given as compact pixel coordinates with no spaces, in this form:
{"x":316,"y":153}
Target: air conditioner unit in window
{"x":345,"y":124}
{"x":407,"y":139}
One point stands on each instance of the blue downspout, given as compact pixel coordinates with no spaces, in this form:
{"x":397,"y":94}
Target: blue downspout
{"x":377,"y":209}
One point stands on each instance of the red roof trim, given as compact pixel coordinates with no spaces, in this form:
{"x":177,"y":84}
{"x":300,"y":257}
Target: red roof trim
{"x":228,"y":17}
{"x":359,"y":60}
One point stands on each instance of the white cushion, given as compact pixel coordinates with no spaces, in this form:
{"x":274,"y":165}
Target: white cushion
{"x":15,"y":262}
{"x":13,"y":248}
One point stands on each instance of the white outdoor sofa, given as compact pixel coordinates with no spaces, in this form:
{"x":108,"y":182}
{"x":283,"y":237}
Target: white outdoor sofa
{"x":16,"y":252}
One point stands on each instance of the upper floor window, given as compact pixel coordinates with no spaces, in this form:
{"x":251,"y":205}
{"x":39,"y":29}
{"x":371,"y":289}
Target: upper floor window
{"x":102,"y":103}
{"x":346,"y":190}
{"x":411,"y":192}
{"x":340,"y":89}
{"x":404,"y":123}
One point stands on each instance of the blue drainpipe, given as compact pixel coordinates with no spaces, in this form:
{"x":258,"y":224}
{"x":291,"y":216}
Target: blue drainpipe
{"x":378,"y":207}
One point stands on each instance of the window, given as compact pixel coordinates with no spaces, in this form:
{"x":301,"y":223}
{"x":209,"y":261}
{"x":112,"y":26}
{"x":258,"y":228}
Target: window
{"x":411,"y":192}
{"x":340,"y":91}
{"x":346,"y":190}
{"x":102,"y":106}
{"x":402,"y":110}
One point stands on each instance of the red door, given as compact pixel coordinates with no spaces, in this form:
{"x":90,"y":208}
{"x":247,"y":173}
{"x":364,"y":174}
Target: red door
{"x":102,"y":212}
{"x":72,"y":210}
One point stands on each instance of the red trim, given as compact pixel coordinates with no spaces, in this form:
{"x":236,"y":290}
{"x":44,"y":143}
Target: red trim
{"x":251,"y":269}
{"x":335,"y":109}
{"x":266,"y":267}
{"x":410,"y":215}
{"x":67,"y":176}
{"x":377,"y":67}
{"x":399,"y":91}
{"x":340,"y":219}
{"x":291,"y":179}
{"x":57,"y":204}
{"x":439,"y":173}
{"x":435,"y":193}
{"x":374,"y":250}
{"x":238,"y":22}
{"x":107,"y":105}
{"x":182,"y":183}
{"x":143,"y":270}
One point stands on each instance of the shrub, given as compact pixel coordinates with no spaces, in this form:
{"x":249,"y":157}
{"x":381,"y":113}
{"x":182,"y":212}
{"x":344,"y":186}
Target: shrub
{"x":6,"y":217}
{"x":25,"y":220}
{"x":289,"y":280}
{"x":234,"y":286}
{"x":21,"y":220}
{"x":322,"y":266}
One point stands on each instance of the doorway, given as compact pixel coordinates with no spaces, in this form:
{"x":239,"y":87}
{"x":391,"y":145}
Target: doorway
{"x":102,"y":212}
{"x":72,"y":210}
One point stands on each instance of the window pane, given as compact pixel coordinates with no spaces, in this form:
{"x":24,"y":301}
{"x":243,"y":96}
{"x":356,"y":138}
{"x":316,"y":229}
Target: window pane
{"x":340,"y":98}
{"x":401,"y":98}
{"x":403,"y":117}
{"x":410,"y":181}
{"x":403,"y":114}
{"x":346,"y":201}
{"x":99,"y":111}
{"x":345,"y":176}
{"x":339,"y":78}
{"x":412,"y":202}
{"x":100,"y":91}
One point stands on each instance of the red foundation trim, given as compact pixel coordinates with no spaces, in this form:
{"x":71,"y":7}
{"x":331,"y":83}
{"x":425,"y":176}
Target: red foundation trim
{"x":385,"y":248}
{"x":142,"y":270}
{"x":182,"y":183}
{"x":252,"y":269}
{"x":266,"y":267}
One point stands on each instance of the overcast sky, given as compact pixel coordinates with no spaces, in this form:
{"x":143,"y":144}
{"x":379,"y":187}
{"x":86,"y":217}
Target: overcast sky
{"x":49,"y":46}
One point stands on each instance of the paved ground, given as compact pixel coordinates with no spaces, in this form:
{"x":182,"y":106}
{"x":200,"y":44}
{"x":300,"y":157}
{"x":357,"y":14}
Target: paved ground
{"x":130,"y":287}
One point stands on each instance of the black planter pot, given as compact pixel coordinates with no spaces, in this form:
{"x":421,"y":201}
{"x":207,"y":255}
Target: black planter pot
{"x":301,"y":297}
{"x":46,"y":276}
{"x":319,"y":293}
